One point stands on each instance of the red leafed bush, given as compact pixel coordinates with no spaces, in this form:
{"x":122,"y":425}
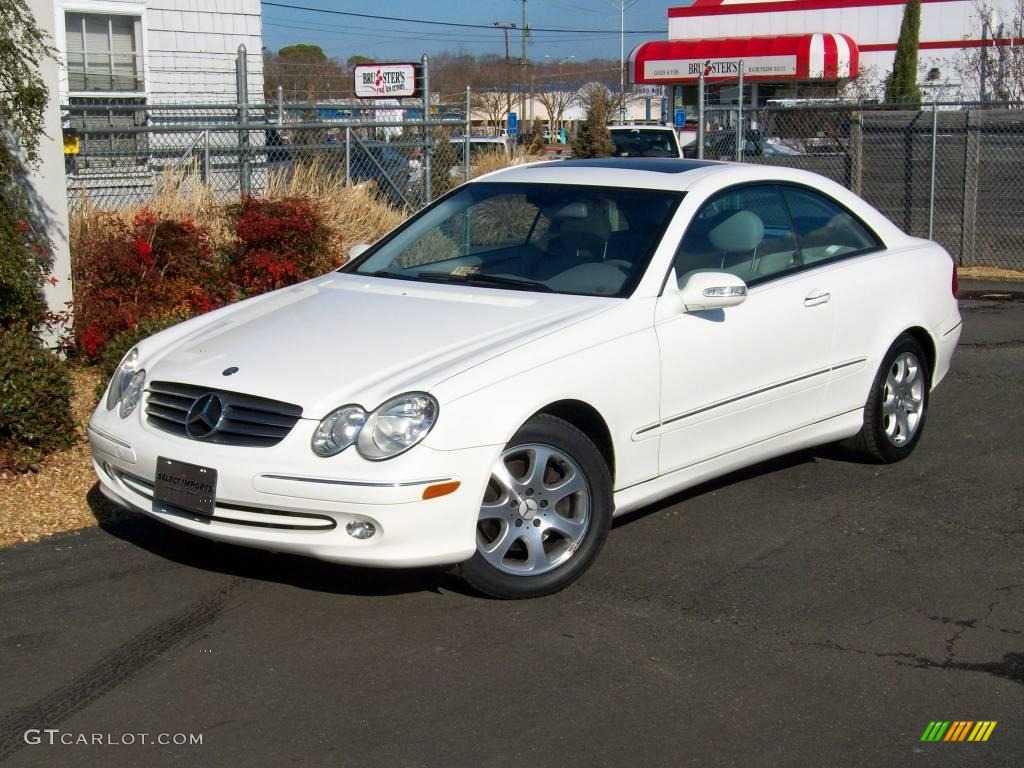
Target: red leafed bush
{"x":280,"y":242}
{"x":152,"y":268}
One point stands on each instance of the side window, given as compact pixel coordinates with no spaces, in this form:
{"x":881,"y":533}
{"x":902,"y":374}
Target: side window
{"x":744,"y":230}
{"x":824,"y":229}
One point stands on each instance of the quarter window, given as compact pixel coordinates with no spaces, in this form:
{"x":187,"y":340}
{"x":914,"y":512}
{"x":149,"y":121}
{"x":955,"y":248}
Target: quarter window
{"x":824,"y":229}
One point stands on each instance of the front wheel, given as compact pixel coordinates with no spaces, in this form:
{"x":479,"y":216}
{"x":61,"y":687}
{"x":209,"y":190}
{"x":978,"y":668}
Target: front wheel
{"x":545,"y":513}
{"x":895,"y":412}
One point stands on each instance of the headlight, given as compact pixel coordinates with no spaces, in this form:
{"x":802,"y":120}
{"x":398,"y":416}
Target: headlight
{"x":338,"y":430}
{"x":393,"y":428}
{"x":132,"y":394}
{"x":122,"y":378}
{"x":397,"y":425}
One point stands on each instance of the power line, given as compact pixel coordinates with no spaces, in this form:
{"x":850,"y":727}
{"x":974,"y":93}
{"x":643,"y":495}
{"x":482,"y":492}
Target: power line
{"x":455,"y":23}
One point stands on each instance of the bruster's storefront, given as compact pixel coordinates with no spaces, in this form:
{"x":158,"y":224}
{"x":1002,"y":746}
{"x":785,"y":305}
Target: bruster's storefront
{"x":778,"y":67}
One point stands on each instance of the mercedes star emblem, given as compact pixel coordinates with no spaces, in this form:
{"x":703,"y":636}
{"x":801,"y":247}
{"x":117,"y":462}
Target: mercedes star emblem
{"x":204,"y":416}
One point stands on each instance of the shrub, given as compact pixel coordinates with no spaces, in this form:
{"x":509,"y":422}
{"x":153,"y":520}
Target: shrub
{"x":280,"y":243}
{"x":149,"y":269}
{"x":35,"y":397}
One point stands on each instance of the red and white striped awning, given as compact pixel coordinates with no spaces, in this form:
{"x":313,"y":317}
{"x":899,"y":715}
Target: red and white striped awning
{"x":820,"y":56}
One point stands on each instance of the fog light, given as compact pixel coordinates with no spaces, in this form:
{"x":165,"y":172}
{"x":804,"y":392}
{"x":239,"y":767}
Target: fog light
{"x":361,"y":529}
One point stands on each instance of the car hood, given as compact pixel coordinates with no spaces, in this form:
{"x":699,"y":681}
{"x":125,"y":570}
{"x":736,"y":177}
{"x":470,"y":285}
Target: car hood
{"x":345,"y":339}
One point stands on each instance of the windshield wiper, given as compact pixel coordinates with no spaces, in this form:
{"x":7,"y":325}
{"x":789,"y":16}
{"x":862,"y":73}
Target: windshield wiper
{"x":389,"y":273}
{"x":477,"y":278}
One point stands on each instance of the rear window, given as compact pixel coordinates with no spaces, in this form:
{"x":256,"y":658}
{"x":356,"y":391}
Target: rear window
{"x":637,"y":143}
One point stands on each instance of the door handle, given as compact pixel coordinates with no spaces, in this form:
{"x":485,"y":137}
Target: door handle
{"x":815,"y":298}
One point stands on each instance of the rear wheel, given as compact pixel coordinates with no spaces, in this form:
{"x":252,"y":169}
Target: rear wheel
{"x":545,"y":513}
{"x":898,"y":404}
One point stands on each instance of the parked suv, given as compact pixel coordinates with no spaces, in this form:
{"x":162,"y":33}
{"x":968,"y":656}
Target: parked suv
{"x":645,"y":141}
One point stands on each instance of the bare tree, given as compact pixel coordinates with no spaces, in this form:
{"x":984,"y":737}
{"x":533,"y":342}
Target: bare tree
{"x":555,"y":101}
{"x":597,"y":94}
{"x":993,"y":72}
{"x":493,"y":104}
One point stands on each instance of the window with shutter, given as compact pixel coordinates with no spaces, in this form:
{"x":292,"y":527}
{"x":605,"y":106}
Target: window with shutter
{"x":104,"y":53}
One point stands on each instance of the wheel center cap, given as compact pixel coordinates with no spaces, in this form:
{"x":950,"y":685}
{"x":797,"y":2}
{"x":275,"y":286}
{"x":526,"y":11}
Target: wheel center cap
{"x":528,"y":508}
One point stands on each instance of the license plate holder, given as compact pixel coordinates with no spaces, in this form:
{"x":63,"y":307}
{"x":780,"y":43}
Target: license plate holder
{"x":190,"y":487}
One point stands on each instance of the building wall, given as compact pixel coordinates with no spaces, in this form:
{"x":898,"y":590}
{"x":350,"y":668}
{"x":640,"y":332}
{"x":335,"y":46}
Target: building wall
{"x":189,"y":46}
{"x":873,"y":24}
{"x":47,"y":180}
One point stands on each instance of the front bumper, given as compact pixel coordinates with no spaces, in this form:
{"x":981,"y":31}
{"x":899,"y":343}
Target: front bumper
{"x":285,"y":499}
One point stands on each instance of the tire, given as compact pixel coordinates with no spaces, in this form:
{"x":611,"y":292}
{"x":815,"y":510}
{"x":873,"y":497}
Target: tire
{"x":897,"y":407}
{"x":538,"y":532}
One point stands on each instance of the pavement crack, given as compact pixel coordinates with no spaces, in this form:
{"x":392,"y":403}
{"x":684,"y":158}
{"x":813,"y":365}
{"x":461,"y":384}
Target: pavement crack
{"x":114,"y":669}
{"x":1011,"y":668}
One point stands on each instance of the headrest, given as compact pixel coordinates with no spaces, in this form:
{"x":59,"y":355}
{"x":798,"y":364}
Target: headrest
{"x":742,"y":231}
{"x":577,"y":210}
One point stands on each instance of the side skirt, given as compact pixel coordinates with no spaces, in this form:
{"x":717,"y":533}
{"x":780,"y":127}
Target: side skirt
{"x":827,"y":431}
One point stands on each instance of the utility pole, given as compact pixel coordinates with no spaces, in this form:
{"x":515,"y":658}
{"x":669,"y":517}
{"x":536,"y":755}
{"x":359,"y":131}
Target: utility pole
{"x":505,"y":26}
{"x":524,"y":31}
{"x":622,"y":55}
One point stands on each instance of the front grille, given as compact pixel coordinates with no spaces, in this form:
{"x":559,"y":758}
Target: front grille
{"x":256,"y":422}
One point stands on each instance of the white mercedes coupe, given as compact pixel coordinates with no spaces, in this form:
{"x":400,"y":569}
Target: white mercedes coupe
{"x":536,"y":352}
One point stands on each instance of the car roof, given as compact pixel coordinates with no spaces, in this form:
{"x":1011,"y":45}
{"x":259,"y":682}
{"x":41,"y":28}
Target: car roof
{"x":668,"y":173}
{"x":640,"y":128}
{"x":637,"y":172}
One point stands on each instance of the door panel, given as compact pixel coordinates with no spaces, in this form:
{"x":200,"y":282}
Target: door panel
{"x":740,"y":375}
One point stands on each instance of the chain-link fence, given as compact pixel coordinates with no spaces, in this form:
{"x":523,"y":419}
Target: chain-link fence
{"x":951,"y":172}
{"x":125,"y":153}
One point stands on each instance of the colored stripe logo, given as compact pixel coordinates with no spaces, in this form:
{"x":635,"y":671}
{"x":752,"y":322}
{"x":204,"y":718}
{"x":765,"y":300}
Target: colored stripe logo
{"x":958,"y":730}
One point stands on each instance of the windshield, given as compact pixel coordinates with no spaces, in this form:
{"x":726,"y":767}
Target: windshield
{"x":594,"y":241}
{"x":636,"y":143}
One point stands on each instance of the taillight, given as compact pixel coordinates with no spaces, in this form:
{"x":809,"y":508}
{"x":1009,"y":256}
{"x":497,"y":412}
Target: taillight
{"x":956,"y":284}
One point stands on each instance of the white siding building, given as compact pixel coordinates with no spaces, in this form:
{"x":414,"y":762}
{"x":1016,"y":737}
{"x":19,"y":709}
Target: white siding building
{"x":157,"y":51}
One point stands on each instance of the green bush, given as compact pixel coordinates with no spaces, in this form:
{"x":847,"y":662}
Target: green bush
{"x":35,"y":398}
{"x":119,"y":346}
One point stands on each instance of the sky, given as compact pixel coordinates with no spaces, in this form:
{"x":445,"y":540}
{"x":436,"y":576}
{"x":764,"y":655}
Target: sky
{"x":343,"y":36}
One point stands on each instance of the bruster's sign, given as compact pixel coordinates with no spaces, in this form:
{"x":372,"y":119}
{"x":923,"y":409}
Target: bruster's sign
{"x":377,"y":81}
{"x":690,"y":69}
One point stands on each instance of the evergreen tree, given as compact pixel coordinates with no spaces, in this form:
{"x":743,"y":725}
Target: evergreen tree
{"x":593,"y":138}
{"x":902,"y":84}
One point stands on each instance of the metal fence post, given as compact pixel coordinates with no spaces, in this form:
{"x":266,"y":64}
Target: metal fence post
{"x":931,"y":194}
{"x":856,"y":173}
{"x":206,"y":157}
{"x":969,"y":211}
{"x":469,"y":130}
{"x":739,"y":119}
{"x":348,"y":155}
{"x":244,"y":169}
{"x":427,"y":191}
{"x":280,"y":105}
{"x":700,"y":115}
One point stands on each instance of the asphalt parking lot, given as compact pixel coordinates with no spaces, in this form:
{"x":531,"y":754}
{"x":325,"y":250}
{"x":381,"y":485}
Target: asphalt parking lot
{"x":808,"y":611}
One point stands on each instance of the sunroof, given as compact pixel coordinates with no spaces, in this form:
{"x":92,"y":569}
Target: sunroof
{"x":655,"y":164}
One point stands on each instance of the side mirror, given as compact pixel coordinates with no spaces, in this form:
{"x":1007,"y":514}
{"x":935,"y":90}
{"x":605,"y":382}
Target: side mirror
{"x":712,"y":290}
{"x":357,"y":250}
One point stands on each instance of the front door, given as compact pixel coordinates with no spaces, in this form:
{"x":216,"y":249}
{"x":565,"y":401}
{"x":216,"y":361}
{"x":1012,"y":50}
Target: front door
{"x":737,"y":376}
